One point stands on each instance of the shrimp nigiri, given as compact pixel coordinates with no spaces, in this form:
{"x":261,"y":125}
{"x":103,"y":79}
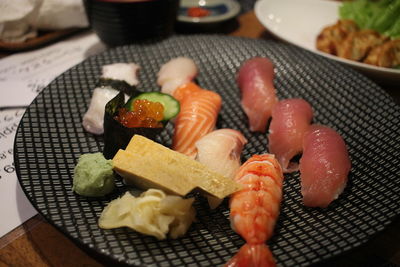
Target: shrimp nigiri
{"x":256,"y":82}
{"x":290,"y":120}
{"x":175,"y":73}
{"x":197,"y":117}
{"x":220,"y":151}
{"x":255,"y":209}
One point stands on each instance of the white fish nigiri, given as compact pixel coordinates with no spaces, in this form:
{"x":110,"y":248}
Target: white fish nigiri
{"x":175,"y":73}
{"x":94,"y":117}
{"x":220,"y":151}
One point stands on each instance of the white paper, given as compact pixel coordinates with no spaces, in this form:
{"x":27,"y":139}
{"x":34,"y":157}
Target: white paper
{"x":14,"y":206}
{"x":22,"y":77}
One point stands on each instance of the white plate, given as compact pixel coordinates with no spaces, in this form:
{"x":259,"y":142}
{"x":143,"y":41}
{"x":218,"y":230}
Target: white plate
{"x":220,"y":10}
{"x":299,"y":22}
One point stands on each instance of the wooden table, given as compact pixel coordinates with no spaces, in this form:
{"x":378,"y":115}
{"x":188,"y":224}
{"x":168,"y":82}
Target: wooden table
{"x":37,"y":243}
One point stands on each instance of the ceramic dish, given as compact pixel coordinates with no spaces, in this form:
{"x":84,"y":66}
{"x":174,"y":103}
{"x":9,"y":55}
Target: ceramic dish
{"x":219,"y":10}
{"x":50,"y":139}
{"x":299,"y":23}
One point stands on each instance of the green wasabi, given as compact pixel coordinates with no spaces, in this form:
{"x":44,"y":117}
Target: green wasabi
{"x":93,"y":176}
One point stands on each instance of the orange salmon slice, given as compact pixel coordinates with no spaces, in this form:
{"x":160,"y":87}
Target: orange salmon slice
{"x":198,"y":116}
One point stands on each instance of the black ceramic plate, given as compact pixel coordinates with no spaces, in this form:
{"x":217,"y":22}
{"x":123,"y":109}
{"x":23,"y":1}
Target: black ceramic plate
{"x":50,"y":139}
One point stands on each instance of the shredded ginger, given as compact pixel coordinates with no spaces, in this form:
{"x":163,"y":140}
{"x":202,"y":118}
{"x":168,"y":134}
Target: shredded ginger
{"x":152,"y":213}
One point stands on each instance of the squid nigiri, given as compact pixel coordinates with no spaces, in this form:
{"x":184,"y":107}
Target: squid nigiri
{"x":220,"y":151}
{"x":324,"y":166}
{"x":175,"y":73}
{"x":121,"y":71}
{"x":197,"y":117}
{"x":255,"y":209}
{"x":290,"y":120}
{"x":256,"y":82}
{"x":93,"y":119}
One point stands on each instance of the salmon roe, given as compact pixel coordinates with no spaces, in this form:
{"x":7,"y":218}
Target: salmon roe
{"x":145,"y":114}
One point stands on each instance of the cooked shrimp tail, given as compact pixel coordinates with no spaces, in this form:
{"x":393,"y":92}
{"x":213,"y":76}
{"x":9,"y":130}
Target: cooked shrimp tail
{"x":257,"y":255}
{"x":255,"y":209}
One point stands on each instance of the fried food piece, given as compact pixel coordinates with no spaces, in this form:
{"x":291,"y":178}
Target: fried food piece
{"x":331,"y":36}
{"x":358,"y":44}
{"x":385,"y":55}
{"x":344,"y":39}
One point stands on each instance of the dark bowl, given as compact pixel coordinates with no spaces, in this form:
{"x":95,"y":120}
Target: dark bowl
{"x":125,"y":22}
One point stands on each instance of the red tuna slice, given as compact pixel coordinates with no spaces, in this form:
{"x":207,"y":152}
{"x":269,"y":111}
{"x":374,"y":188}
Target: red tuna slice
{"x":291,"y":119}
{"x":256,"y":82}
{"x":324,"y":166}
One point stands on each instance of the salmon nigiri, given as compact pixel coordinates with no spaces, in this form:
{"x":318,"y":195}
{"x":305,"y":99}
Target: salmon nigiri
{"x":197,"y":117}
{"x":256,"y":82}
{"x":290,"y":120}
{"x":220,"y":151}
{"x":254,"y":209}
{"x":185,"y":90}
{"x":324,"y":166}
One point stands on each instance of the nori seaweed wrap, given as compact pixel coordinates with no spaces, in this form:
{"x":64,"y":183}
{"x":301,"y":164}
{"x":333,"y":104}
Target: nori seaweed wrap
{"x":119,"y":85}
{"x":116,"y":135}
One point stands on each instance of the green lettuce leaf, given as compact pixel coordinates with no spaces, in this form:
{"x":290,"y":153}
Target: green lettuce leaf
{"x":382,"y":15}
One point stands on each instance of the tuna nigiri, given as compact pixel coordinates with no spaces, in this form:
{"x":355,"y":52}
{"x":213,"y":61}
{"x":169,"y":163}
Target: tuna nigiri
{"x":324,"y":166}
{"x":175,"y":73}
{"x":94,"y":117}
{"x":255,"y":209}
{"x":290,"y":120}
{"x":256,"y":82}
{"x":197,"y":117}
{"x":220,"y":151}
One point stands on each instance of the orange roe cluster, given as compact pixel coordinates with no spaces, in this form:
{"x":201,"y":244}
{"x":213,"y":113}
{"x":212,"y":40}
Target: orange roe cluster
{"x":145,"y":114}
{"x":198,"y":12}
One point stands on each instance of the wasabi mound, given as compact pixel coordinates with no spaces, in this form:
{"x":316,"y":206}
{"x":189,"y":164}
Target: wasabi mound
{"x":93,"y":176}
